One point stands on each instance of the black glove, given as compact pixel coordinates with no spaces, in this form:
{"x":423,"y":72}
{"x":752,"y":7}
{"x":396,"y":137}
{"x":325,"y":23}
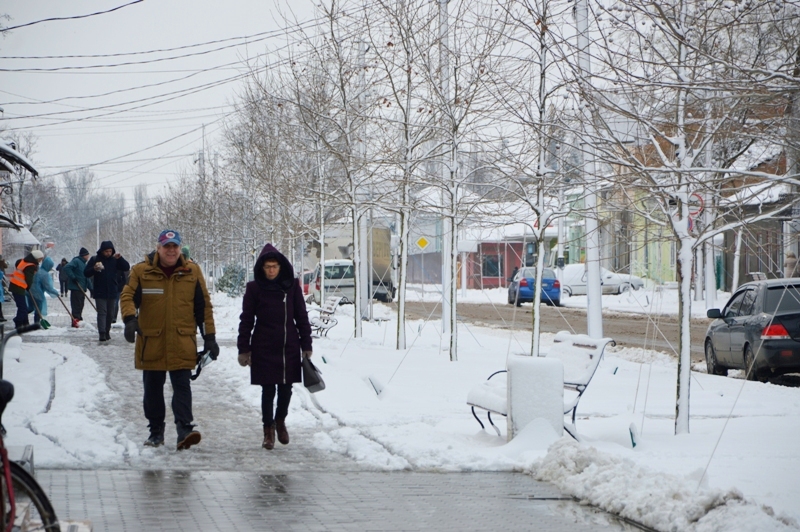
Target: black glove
{"x":131,"y":328}
{"x":210,"y":344}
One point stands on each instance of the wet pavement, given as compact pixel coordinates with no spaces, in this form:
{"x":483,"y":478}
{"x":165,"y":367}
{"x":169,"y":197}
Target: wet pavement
{"x":315,"y":500}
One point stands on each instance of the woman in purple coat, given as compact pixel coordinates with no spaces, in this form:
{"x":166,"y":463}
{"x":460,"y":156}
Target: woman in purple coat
{"x":273,"y":334}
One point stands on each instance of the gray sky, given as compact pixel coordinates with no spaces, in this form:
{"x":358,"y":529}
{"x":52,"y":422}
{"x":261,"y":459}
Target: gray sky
{"x":143,"y":142}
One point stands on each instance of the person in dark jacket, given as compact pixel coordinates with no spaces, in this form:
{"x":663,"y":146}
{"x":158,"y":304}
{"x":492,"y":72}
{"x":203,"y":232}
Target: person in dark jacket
{"x":273,"y":332}
{"x":62,"y":277}
{"x":103,"y":267}
{"x":21,"y":282}
{"x":77,"y":283}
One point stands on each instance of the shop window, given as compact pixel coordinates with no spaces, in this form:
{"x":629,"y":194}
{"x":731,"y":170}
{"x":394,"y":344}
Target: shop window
{"x":492,"y":266}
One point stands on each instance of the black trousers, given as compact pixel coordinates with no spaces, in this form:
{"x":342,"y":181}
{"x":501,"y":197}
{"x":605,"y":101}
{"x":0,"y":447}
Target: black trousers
{"x":76,"y":301}
{"x":154,"y":408}
{"x":268,"y":397}
{"x":63,"y":287}
{"x":22,"y":310}
{"x":104,"y":309}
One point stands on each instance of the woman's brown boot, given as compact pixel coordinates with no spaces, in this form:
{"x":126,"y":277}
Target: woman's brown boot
{"x":283,"y":434}
{"x":269,"y":437}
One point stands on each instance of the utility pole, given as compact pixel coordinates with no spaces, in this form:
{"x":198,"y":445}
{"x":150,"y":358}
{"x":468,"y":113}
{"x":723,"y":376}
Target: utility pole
{"x":363,"y":275}
{"x":594,"y":311}
{"x":448,"y":221}
{"x":708,"y":220}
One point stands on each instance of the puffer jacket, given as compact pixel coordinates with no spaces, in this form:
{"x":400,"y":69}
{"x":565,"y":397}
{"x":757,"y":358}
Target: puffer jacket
{"x":170,"y":309}
{"x":105,"y":281}
{"x":77,"y":280}
{"x":274,"y":325}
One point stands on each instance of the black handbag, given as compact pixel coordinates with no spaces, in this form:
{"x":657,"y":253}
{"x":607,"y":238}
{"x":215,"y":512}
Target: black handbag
{"x":312,"y":377}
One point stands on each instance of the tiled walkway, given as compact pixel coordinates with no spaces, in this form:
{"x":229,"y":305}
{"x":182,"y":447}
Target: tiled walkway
{"x":117,"y":501}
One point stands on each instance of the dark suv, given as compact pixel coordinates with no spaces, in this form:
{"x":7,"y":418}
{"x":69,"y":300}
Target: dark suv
{"x":758,"y":331}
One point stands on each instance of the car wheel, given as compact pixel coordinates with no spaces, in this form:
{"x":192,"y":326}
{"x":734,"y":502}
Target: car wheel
{"x":556,"y":302}
{"x":566,"y":290}
{"x":519,"y":302}
{"x":711,"y":361}
{"x":624,"y":288}
{"x":750,"y":370}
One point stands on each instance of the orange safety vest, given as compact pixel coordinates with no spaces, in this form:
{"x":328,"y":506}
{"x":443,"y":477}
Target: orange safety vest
{"x":18,"y":277}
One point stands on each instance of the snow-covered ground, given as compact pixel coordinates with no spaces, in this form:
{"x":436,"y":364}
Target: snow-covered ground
{"x":738,"y":469}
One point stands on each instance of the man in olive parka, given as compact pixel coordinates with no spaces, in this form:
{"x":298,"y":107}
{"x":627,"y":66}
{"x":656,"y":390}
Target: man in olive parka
{"x":163,"y":304}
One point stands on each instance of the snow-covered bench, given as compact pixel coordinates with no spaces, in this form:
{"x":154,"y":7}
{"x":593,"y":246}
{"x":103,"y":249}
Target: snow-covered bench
{"x":324,"y":320}
{"x":580,"y":356}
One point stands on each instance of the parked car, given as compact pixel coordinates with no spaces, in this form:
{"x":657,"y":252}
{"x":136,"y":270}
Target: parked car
{"x":573,"y":281}
{"x":757,"y":331}
{"x":339,"y":281}
{"x":305,"y":279}
{"x":520,"y":290}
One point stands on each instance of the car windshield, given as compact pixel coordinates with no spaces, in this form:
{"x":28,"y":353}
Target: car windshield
{"x":530,"y":273}
{"x":340,"y":271}
{"x":782,"y":298}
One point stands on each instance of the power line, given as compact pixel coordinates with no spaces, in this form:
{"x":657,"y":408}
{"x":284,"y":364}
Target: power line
{"x":298,"y":27}
{"x":3,"y":30}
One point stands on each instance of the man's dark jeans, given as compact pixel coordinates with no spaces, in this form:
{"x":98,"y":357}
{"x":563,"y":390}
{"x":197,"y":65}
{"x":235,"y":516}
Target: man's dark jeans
{"x":154,"y":407}
{"x":22,"y":310}
{"x":76,"y":300}
{"x":105,"y":307}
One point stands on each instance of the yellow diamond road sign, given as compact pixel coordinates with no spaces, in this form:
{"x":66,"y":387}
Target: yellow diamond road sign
{"x":422,"y":242}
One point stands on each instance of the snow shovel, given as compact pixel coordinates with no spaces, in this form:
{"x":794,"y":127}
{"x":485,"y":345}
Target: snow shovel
{"x":87,"y":297}
{"x":43,"y":322}
{"x":74,"y":321}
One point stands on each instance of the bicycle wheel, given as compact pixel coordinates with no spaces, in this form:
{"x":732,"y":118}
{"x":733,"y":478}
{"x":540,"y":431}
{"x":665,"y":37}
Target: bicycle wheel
{"x":32,"y":505}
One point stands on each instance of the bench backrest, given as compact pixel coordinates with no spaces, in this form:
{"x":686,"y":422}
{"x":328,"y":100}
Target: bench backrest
{"x":580,"y":354}
{"x":331,"y":304}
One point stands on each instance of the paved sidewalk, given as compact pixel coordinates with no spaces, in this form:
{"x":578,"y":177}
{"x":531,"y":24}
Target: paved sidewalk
{"x":118,"y":501}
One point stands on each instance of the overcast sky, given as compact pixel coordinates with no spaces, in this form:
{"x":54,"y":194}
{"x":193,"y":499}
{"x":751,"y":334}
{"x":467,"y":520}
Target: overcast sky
{"x":137,"y":135}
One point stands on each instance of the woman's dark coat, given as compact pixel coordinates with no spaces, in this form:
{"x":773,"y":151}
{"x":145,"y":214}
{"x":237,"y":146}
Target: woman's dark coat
{"x":274,"y":326}
{"x":105,"y":282}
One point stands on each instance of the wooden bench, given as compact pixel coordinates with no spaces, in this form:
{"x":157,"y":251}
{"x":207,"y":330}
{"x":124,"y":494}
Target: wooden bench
{"x":580,"y":355}
{"x":324,"y":320}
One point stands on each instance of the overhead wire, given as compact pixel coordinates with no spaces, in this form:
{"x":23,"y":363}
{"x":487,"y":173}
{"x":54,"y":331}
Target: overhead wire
{"x":74,"y":17}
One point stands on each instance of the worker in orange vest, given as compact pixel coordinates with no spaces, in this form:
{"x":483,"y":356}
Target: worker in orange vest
{"x":21,"y":281}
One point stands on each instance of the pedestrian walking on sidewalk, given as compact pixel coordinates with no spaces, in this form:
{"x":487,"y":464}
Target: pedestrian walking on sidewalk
{"x":77,"y":283}
{"x":103,"y":269}
{"x":3,"y":266}
{"x":21,"y":282}
{"x":163,"y":302}
{"x":273,"y":335}
{"x":62,"y":277}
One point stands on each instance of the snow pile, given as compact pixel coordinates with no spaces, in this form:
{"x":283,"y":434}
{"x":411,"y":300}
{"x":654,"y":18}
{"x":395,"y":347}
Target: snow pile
{"x":661,"y":501}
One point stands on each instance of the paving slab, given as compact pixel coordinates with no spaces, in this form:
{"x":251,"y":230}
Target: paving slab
{"x":127,"y":500}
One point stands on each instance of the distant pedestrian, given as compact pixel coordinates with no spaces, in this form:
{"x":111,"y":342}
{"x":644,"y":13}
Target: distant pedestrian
{"x":21,"y":282}
{"x":162,"y":304}
{"x":3,"y":266}
{"x":62,"y":277}
{"x":103,"y":268}
{"x":274,"y":333}
{"x":77,"y":283}
{"x":790,"y":265}
{"x":42,"y":284}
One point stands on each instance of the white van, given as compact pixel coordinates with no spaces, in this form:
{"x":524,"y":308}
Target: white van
{"x":339,"y":281}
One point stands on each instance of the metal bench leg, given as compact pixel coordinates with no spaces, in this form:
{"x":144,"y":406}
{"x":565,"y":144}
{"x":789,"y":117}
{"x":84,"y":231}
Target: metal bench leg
{"x":477,"y":419}
{"x":489,"y":415}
